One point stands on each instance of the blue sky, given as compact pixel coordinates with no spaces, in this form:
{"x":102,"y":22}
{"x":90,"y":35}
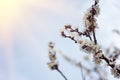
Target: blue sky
{"x":28,"y":25}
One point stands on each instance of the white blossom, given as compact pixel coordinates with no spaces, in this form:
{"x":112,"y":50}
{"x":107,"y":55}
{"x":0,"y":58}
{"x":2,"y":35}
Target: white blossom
{"x":116,"y":71}
{"x":52,"y":65}
{"x":97,"y":58}
{"x":111,"y":61}
{"x":97,"y":9}
{"x":89,"y":20}
{"x":89,"y":46}
{"x":51,"y":50}
{"x":51,"y":45}
{"x":86,"y":22}
{"x":52,"y":57}
{"x":68,"y":30}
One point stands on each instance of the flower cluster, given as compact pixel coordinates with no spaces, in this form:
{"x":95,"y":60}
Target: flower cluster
{"x":52,"y":57}
{"x":86,"y":45}
{"x":112,"y":61}
{"x":53,"y":64}
{"x":90,"y":46}
{"x":89,"y":17}
{"x":73,"y":34}
{"x":97,"y":57}
{"x":116,"y":71}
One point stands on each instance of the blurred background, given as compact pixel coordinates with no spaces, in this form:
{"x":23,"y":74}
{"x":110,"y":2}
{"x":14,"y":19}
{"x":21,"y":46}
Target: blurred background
{"x":26,"y":27}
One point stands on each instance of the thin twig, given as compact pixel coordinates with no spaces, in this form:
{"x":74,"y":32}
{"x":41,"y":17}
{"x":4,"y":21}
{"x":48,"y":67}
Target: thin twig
{"x":94,"y":37}
{"x":83,"y":77}
{"x":61,"y":73}
{"x":90,"y":37}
